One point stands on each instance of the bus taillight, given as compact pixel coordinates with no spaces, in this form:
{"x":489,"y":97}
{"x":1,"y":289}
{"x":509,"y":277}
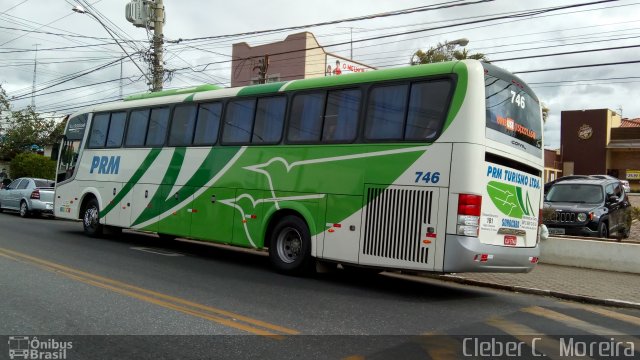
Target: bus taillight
{"x":468,"y":214}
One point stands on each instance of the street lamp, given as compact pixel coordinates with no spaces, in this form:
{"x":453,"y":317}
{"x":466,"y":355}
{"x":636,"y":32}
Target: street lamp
{"x":461,"y":42}
{"x":80,"y":10}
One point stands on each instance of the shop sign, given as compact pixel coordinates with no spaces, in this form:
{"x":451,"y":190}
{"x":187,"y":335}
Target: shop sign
{"x":585,"y":132}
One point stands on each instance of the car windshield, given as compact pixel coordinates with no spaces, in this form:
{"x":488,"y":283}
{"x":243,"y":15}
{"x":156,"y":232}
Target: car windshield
{"x":576,"y":193}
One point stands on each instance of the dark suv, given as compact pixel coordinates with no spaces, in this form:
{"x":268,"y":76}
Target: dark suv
{"x":590,"y":206}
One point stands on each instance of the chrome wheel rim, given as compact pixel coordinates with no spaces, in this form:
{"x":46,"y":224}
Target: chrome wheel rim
{"x":289,"y":245}
{"x":23,"y":209}
{"x":91,"y":218}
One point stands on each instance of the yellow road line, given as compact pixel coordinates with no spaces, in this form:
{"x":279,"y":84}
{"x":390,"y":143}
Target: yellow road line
{"x":440,"y":347}
{"x":544,"y":345}
{"x":571,"y":321}
{"x":232,"y":319}
{"x":633,"y":320}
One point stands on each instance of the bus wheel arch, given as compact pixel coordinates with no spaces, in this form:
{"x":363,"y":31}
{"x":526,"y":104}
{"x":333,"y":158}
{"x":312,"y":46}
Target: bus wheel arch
{"x":289,"y":240}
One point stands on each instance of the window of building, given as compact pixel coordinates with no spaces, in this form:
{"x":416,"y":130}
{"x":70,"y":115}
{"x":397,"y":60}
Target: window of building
{"x":158,"y":124}
{"x":305,"y":122}
{"x":238,"y":121}
{"x":208,"y":124}
{"x":182,"y":125}
{"x":269,"y":120}
{"x":137,"y":128}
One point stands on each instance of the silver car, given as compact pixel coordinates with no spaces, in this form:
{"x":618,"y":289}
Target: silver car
{"x":28,"y":196}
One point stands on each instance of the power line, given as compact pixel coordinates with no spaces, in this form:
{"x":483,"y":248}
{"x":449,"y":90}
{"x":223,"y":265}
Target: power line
{"x":566,"y":53}
{"x":577,"y":66}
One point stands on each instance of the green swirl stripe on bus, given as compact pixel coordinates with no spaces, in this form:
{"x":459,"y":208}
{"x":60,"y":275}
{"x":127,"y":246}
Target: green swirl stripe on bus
{"x":509,"y":199}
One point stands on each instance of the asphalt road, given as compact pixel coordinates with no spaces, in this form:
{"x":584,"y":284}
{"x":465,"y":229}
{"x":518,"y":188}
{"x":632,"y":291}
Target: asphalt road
{"x":57,"y":284}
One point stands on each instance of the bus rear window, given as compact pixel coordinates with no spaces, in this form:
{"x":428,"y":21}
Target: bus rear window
{"x":513,"y":112}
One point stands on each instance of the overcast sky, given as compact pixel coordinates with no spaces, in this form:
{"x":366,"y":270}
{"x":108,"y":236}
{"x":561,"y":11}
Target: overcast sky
{"x":605,"y":25}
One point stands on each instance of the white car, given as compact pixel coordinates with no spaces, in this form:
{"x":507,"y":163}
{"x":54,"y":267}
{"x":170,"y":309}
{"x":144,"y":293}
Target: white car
{"x":28,"y":196}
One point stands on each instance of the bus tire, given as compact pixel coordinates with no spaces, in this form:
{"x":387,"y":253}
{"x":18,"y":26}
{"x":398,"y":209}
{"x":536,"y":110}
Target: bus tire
{"x":290,"y":246}
{"x":91,"y":219}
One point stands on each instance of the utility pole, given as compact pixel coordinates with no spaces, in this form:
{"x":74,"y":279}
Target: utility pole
{"x":33,"y":85}
{"x":158,"y":23}
{"x":263,"y":66}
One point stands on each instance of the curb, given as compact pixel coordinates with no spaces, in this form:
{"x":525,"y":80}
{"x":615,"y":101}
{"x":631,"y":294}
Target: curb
{"x":534,"y":291}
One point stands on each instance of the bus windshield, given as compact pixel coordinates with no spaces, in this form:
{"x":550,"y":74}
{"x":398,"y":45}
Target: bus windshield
{"x":512,"y":111}
{"x":71,"y":147}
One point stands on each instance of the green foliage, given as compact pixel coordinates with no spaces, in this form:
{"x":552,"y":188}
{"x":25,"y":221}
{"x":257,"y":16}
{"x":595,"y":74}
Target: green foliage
{"x":32,"y":165}
{"x":25,"y":128}
{"x":444,"y":52}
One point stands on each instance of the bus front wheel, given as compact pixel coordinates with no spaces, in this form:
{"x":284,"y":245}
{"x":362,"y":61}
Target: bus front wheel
{"x":91,"y":219}
{"x":290,"y":246}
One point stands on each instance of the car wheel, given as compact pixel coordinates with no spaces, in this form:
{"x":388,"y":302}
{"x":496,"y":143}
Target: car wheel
{"x":290,"y":246}
{"x":24,"y":209}
{"x":0,"y":207}
{"x":91,"y":219}
{"x":603,"y":230}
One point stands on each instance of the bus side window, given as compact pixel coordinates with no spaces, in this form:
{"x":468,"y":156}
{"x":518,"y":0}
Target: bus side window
{"x":386,"y":112}
{"x":116,"y":129}
{"x":305,"y":122}
{"x":341,"y":116}
{"x":238,"y":122}
{"x":269,"y":120}
{"x":182,"y":125}
{"x":208,"y":124}
{"x":428,"y":104}
{"x":158,"y":125}
{"x":137,"y":129}
{"x":99,"y":128}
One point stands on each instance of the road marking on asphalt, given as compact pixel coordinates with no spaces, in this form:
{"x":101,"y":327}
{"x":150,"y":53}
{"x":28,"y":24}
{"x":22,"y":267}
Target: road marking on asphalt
{"x":571,"y":321}
{"x":224,"y":317}
{"x":633,"y":320}
{"x":156,"y":251}
{"x":545,"y":345}
{"x":440,"y":346}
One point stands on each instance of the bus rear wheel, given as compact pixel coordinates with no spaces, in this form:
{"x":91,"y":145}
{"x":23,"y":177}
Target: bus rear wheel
{"x":290,"y":246}
{"x":91,"y":219}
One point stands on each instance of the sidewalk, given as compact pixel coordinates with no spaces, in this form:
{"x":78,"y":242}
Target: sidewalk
{"x":565,"y":282}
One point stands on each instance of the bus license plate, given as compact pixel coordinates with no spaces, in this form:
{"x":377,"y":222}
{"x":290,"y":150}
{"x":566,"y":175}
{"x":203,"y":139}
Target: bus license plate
{"x":510,"y":240}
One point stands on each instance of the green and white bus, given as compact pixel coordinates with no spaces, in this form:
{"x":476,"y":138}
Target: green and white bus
{"x":425,"y":168}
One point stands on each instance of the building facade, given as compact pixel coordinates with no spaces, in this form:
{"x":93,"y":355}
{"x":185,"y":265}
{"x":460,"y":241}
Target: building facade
{"x":597,"y":141}
{"x":298,"y":56}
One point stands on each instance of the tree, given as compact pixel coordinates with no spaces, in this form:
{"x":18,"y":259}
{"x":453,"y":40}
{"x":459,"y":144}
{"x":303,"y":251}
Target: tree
{"x":545,"y":112}
{"x":444,"y":52}
{"x":32,"y":165}
{"x":24,"y":129}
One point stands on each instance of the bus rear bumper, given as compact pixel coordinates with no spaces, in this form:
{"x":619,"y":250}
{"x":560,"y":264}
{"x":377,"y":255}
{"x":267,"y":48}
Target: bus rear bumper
{"x":468,"y":254}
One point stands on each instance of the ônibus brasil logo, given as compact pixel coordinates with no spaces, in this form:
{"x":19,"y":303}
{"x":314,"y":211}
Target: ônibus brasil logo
{"x":26,"y":347}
